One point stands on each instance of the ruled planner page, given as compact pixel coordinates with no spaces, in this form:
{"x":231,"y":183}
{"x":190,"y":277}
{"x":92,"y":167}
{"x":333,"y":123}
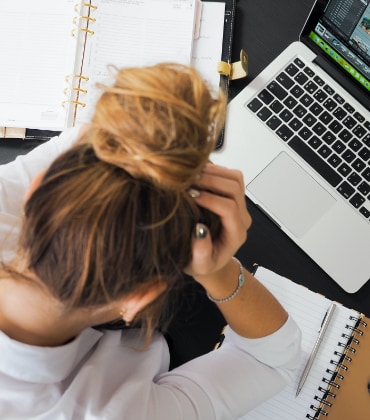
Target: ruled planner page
{"x":308,"y":309}
{"x":37,"y":51}
{"x":136,"y":33}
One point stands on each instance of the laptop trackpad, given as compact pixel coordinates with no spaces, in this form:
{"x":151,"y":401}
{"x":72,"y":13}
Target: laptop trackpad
{"x":294,"y":199}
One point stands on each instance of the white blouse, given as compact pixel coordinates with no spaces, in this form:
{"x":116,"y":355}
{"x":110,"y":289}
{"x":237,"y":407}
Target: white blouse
{"x":107,"y":375}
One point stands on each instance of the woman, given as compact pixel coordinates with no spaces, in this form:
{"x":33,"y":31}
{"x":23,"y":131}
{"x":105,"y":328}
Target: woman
{"x":108,"y":228}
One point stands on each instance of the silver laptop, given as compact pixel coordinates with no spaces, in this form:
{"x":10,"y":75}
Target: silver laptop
{"x":300,"y":133}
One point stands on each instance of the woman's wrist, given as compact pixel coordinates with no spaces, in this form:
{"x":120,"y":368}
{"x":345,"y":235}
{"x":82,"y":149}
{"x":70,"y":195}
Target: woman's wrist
{"x":224,"y":284}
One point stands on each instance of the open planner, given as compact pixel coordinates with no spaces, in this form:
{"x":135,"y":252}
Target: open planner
{"x":56,"y":51}
{"x":337,"y":384}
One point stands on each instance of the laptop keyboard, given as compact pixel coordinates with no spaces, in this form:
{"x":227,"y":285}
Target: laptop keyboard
{"x":320,"y":126}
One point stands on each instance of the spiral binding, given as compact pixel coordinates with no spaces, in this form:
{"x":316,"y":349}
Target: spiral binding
{"x":333,"y":383}
{"x":75,"y":88}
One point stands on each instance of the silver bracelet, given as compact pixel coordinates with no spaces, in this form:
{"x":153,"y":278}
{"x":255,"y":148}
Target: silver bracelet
{"x":241,"y":281}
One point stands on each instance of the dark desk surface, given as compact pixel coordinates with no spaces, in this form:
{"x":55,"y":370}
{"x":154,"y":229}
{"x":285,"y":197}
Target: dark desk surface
{"x":264,"y":29}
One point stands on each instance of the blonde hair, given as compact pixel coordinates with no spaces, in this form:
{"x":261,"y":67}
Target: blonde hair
{"x":113,"y":211}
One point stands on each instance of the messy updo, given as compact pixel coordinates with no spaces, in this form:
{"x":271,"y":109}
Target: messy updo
{"x":113,"y":211}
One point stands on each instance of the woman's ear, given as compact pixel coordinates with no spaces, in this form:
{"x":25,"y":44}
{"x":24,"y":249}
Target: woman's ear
{"x":137,"y":301}
{"x":34,"y":184}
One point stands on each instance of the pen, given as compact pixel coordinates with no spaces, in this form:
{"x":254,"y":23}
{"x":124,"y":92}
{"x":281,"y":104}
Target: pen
{"x":324,"y":326}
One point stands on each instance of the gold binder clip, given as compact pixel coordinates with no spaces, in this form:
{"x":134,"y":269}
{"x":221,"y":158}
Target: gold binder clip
{"x":235,"y":70}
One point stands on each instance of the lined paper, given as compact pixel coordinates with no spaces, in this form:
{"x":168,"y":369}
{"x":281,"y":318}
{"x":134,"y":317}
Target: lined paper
{"x":308,"y":310}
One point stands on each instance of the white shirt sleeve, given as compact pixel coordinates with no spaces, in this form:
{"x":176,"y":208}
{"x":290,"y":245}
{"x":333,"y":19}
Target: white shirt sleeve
{"x":238,"y":376}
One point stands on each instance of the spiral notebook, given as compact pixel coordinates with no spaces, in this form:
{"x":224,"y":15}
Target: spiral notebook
{"x":57,"y":50}
{"x":337,"y":384}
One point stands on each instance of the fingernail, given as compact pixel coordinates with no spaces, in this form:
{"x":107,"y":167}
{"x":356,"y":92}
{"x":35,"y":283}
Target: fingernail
{"x":193,"y":193}
{"x":201,"y":231}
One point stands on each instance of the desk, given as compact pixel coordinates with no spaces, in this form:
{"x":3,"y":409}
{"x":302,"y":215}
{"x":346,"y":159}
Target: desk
{"x":264,"y":29}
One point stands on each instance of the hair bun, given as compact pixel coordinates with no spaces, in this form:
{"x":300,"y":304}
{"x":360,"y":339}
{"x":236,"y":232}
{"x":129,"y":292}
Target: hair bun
{"x":158,"y":123}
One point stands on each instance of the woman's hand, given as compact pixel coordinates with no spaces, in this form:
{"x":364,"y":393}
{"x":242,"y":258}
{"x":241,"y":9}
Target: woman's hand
{"x":222,"y":192}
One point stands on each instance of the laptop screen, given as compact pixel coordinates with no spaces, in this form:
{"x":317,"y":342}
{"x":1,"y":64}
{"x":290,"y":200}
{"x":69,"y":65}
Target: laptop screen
{"x":340,"y":31}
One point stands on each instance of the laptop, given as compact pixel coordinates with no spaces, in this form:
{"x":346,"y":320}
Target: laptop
{"x":300,"y":133}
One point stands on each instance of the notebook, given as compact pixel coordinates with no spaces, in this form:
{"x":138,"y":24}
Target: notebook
{"x":300,"y":133}
{"x":56,"y":52}
{"x":337,"y":384}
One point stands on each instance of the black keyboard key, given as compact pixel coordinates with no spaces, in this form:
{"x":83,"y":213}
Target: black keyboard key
{"x":360,"y":118}
{"x":330,"y":104}
{"x":265,"y":96}
{"x":354,"y":179}
{"x":339,"y":147}
{"x":301,"y":78}
{"x":366,"y":174}
{"x":357,"y":200}
{"x":299,"y":63}
{"x":295,"y":124}
{"x":309,"y":71}
{"x":276,"y":106}
{"x":320,"y":96}
{"x":290,"y":102}
{"x":311,"y":87}
{"x":315,"y":142}
{"x":334,"y":160}
{"x":315,"y":161}
{"x":345,"y":135}
{"x":367,"y":125}
{"x":339,"y":99}
{"x":309,"y":120}
{"x":325,"y":117}
{"x":292,"y":69}
{"x":306,"y":100}
{"x":348,"y":155}
{"x":305,"y":133}
{"x":349,"y":122}
{"x":319,"y":128}
{"x":349,"y":108}
{"x":319,"y":81}
{"x":316,"y":109}
{"x":285,"y":80}
{"x":345,"y":189}
{"x":300,"y":111}
{"x":328,"y":137}
{"x":364,"y":154}
{"x":364,"y":188}
{"x":358,"y":165}
{"x":329,"y":89}
{"x":335,"y":126}
{"x":355,"y":145}
{"x":344,"y":169}
{"x":339,"y":113}
{"x":365,"y":212}
{"x":264,"y":113}
{"x":324,"y":151}
{"x":296,"y":91}
{"x":255,"y":105}
{"x":284,"y":132}
{"x":286,"y":115}
{"x":366,"y":140}
{"x":277,"y":90}
{"x":274,"y":122}
{"x":359,"y":131}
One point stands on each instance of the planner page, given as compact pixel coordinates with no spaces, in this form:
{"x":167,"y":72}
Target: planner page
{"x":308,"y":310}
{"x":136,"y":33}
{"x":37,"y":51}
